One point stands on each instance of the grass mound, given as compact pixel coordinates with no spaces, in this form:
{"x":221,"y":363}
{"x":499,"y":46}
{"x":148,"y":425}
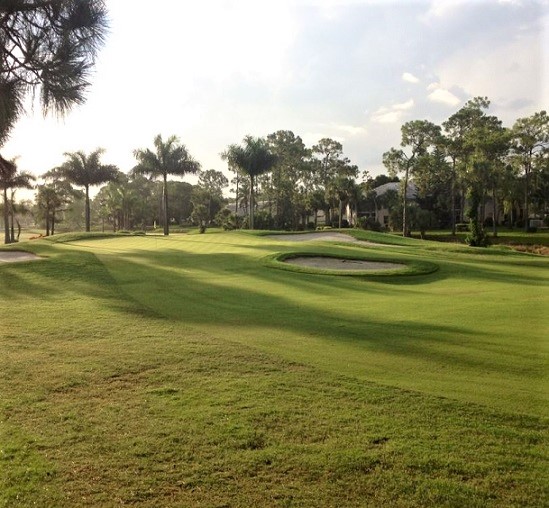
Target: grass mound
{"x":97,"y":235}
{"x":407,"y":267}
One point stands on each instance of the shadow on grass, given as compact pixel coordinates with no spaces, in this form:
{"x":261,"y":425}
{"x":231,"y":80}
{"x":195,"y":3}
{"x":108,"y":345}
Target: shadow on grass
{"x":201,"y":300}
{"x":234,"y":291}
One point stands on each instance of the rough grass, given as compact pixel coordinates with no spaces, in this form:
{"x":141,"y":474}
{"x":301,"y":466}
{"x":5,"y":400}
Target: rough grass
{"x":181,"y":371}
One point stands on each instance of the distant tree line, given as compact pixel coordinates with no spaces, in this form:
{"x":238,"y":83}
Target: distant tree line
{"x":471,"y":162}
{"x":471,"y":169}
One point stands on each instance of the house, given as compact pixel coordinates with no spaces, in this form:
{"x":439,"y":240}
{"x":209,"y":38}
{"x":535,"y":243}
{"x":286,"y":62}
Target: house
{"x":385,"y":197}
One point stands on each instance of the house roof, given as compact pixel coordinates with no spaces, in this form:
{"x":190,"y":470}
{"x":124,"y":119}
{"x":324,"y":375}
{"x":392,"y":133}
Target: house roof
{"x":395,"y":186}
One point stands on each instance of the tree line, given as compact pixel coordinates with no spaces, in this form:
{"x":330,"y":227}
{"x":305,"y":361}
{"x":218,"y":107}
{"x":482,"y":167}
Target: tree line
{"x":472,"y":159}
{"x":457,"y":169}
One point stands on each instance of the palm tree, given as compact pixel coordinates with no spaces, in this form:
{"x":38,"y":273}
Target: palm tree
{"x":8,"y":169}
{"x":169,"y":158}
{"x":11,"y":179}
{"x":86,"y":171}
{"x":20,"y":180}
{"x":253,"y":158}
{"x":47,"y":50}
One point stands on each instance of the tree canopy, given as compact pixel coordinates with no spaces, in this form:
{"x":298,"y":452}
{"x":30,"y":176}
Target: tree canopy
{"x":87,"y":170}
{"x":253,"y":157}
{"x":47,"y":48}
{"x":170,"y":157}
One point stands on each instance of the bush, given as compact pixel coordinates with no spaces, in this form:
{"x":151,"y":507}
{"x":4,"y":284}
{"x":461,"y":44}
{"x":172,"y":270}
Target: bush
{"x":369,"y":223}
{"x":477,"y":237}
{"x":263,"y":220}
{"x":225,"y":219}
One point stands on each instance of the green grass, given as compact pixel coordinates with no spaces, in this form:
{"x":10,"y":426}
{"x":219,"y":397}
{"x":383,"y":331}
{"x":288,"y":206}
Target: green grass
{"x":505,"y":237}
{"x":185,"y":371}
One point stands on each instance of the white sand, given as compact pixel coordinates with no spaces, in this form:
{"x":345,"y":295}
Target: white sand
{"x":14,"y":256}
{"x":324,"y":236}
{"x":342,"y":264}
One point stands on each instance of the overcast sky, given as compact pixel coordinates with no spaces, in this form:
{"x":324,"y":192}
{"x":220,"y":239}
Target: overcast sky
{"x":212,"y":71}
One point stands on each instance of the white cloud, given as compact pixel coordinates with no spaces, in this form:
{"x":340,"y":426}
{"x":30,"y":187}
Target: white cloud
{"x":515,"y":69}
{"x":392,"y":114}
{"x":410,"y":78}
{"x":440,"y":9}
{"x":403,"y":106}
{"x":352,"y":130}
{"x":442,"y":95}
{"x":512,"y":2}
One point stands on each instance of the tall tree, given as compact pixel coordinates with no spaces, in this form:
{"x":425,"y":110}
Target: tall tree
{"x":116,"y":201}
{"x":169,"y":157}
{"x":531,"y":146}
{"x":11,"y":179}
{"x":47,"y":48}
{"x":253,"y":157}
{"x":8,"y":169}
{"x":331,"y":168}
{"x":418,"y":136}
{"x":22,"y":180}
{"x":86,"y":171}
{"x":455,"y":143}
{"x":209,"y":192}
{"x":54,"y":197}
{"x":492,"y":147}
{"x":288,"y":177}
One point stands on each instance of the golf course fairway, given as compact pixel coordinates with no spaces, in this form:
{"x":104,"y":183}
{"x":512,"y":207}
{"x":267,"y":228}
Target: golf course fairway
{"x":193,"y":370}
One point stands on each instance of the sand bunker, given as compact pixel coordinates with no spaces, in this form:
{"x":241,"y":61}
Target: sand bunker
{"x":331,"y":237}
{"x":305,"y":237}
{"x":342,"y":264}
{"x":14,"y":256}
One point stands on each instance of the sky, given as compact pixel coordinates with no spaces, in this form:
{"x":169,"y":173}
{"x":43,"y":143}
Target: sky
{"x":214,"y":71}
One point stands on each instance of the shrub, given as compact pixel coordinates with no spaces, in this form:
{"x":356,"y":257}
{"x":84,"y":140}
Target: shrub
{"x":225,"y":219}
{"x":477,"y":237}
{"x":369,"y":223}
{"x":263,"y":220}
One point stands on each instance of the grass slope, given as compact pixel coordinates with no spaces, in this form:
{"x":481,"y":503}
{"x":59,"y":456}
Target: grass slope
{"x":182,"y":371}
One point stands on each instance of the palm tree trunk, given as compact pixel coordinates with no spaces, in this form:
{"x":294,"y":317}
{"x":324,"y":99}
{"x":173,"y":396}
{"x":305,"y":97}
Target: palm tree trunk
{"x":494,"y":214}
{"x":526,"y":185}
{"x":251,"y":204}
{"x":165,"y":204}
{"x":236,"y":203}
{"x":453,"y":196}
{"x":405,"y":205}
{"x":6,"y":218}
{"x":88,"y":217}
{"x":47,"y":220}
{"x":12,"y":217}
